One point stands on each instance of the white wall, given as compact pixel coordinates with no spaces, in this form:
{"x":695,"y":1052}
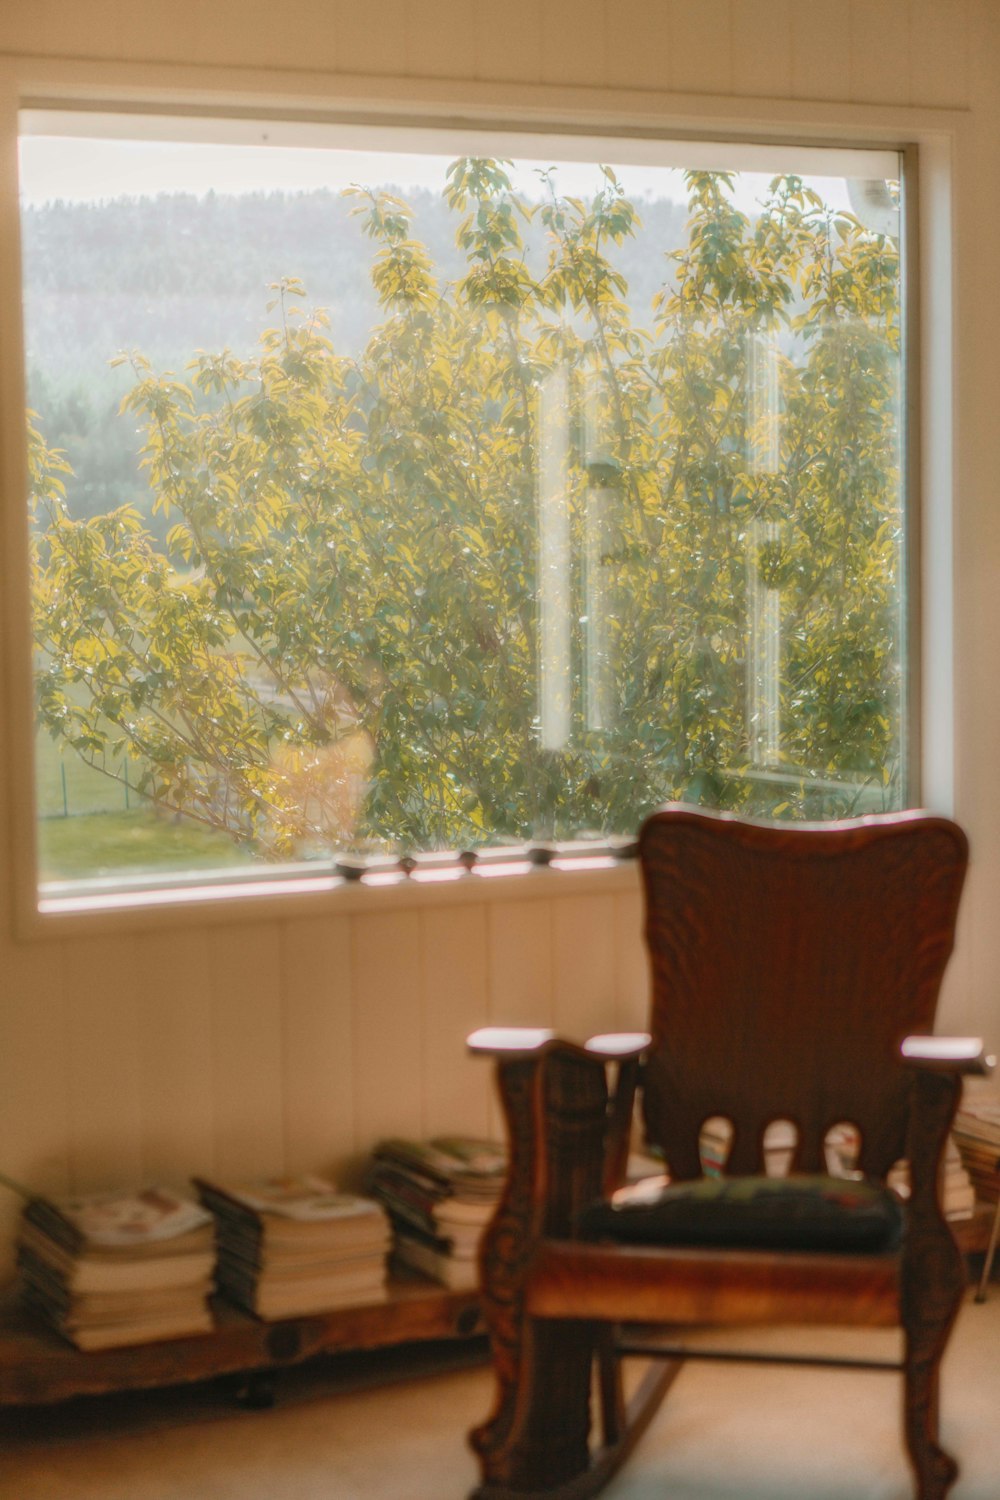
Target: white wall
{"x":247,"y":1046}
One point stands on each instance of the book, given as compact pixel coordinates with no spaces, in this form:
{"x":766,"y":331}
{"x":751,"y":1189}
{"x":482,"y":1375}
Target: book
{"x":292,"y":1211}
{"x":273,"y":1302}
{"x":454,"y":1211}
{"x":439,"y":1265}
{"x":289,"y":1260}
{"x":976,"y":1130}
{"x":136,"y":1277}
{"x":145,"y":1222}
{"x":293,"y":1246}
{"x":304,"y":1199}
{"x":112,"y":1269}
{"x":315,"y":1292}
{"x":79,"y":1310}
{"x":464,"y":1155}
{"x":440,"y":1194}
{"x":97,"y":1273}
{"x":144,"y":1331}
{"x":460,"y":1239}
{"x":464,"y":1165}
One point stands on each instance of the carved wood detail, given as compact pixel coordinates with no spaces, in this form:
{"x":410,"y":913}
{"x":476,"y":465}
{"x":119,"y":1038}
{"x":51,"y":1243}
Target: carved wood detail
{"x":556,"y":1107}
{"x":504,"y":1254}
{"x":802,"y":957}
{"x":932,"y":1280}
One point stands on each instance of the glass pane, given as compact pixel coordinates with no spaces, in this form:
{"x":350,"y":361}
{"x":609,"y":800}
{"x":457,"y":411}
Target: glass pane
{"x":393,"y":504}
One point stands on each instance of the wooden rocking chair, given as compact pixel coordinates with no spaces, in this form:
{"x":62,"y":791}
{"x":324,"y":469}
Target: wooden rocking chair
{"x":795,"y":975}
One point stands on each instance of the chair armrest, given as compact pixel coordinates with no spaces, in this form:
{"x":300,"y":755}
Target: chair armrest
{"x":618,"y":1046}
{"x":937,"y":1065}
{"x":509,"y":1041}
{"x":568,"y":1132}
{"x":947,"y":1054}
{"x":523,"y":1041}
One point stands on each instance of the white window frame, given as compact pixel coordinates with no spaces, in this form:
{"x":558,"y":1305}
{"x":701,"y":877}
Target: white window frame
{"x":302,"y":104}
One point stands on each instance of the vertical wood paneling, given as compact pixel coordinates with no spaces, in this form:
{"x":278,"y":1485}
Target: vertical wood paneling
{"x":983,"y":33}
{"x":520,"y":977}
{"x":88,"y":29}
{"x":34,"y":1092}
{"x":454,"y":1002}
{"x":247,"y":1043}
{"x":388,"y":1064}
{"x":317,"y":1017}
{"x":370,"y":41}
{"x":253,"y":34}
{"x":513,"y":50}
{"x":583,"y":966}
{"x":176,"y":1077}
{"x":957,"y":1012}
{"x":167,"y":29}
{"x":638,"y":45}
{"x":34,"y":1096}
{"x":631,"y":965}
{"x":821,"y":51}
{"x":939,"y":52}
{"x":752,"y":46}
{"x":762,"y":47}
{"x":428,"y":22}
{"x":880,"y":51}
{"x":701,"y":54}
{"x":573,"y":41}
{"x":101,"y":980}
{"x":22,"y":28}
{"x":519,"y":956}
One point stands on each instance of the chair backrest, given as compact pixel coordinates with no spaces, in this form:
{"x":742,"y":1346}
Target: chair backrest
{"x":788,"y":962}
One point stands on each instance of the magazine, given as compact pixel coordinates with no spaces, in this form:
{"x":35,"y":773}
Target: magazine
{"x":305,"y":1198}
{"x":118,"y":1220}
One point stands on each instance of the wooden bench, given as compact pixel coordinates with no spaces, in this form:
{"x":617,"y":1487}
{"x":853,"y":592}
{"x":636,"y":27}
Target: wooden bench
{"x":38,"y":1367}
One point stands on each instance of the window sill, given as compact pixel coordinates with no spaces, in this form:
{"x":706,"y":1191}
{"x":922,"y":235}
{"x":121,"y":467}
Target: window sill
{"x":278,"y":899}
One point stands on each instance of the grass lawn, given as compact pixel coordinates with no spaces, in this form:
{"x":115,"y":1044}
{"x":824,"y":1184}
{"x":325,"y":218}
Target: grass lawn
{"x":64,"y":782}
{"x":104,"y":836}
{"x":129,"y":843}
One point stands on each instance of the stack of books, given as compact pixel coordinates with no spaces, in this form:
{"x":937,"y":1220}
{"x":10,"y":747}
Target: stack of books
{"x":291,"y":1246}
{"x":976,"y":1129}
{"x":957,"y":1192}
{"x":440,"y":1196}
{"x":118,"y":1268}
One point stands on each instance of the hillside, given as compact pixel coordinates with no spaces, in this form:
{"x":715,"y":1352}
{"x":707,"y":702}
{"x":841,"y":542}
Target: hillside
{"x":176,"y":273}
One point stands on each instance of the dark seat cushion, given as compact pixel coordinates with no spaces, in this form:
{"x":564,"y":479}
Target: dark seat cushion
{"x":761,"y":1213}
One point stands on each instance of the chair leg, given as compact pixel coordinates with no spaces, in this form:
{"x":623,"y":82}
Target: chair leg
{"x":932,"y":1280}
{"x":611,"y":1385}
{"x":537,"y":1445}
{"x":927,"y":1323}
{"x":935,"y":1470}
{"x":537,"y":1441}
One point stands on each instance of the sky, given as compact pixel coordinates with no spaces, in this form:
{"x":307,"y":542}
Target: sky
{"x":78,"y":169}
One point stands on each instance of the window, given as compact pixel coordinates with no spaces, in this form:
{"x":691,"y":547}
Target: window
{"x":395,"y":493}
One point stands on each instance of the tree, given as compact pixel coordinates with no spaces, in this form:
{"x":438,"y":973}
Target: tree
{"x":338,"y":643}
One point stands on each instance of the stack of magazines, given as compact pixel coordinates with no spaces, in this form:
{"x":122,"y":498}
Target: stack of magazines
{"x":440,"y":1195}
{"x":976,"y":1129}
{"x":292,"y":1246}
{"x":118,"y":1268}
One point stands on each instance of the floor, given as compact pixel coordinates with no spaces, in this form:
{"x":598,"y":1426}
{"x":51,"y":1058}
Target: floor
{"x":392,"y":1426}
